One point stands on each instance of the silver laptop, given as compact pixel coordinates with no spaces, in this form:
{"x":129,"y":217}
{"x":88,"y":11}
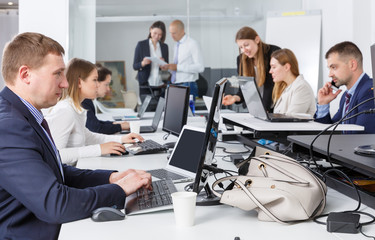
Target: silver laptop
{"x":155,"y":121}
{"x":255,"y":106}
{"x":184,"y":160}
{"x":140,"y":113}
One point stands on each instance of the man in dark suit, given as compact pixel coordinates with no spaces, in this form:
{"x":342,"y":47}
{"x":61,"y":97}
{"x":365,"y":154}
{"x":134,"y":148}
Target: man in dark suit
{"x":37,"y":192}
{"x":344,"y":61}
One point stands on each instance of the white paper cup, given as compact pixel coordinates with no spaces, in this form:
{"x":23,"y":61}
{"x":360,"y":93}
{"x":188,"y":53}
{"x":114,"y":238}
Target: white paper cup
{"x":184,"y":208}
{"x":135,"y":126}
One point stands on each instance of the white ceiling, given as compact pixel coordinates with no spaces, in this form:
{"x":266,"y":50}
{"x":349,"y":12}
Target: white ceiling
{"x":107,"y":8}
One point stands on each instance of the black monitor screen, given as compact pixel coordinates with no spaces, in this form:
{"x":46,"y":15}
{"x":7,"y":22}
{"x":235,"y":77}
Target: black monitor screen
{"x":176,"y":109}
{"x":373,"y":65}
{"x":211,"y":134}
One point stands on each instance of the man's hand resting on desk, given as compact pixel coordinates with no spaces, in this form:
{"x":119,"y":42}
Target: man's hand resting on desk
{"x":131,"y":180}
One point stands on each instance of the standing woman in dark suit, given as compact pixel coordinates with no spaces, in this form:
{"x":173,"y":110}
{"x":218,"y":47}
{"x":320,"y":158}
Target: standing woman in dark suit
{"x":254,"y":61}
{"x":153,"y":46}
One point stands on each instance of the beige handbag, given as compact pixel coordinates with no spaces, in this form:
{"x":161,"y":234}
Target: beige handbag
{"x":278,"y":187}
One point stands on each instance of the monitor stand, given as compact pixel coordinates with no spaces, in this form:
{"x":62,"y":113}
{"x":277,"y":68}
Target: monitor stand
{"x":206,"y":197}
{"x":365,"y":150}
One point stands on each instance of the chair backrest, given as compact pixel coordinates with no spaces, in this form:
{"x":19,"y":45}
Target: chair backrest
{"x":113,"y":111}
{"x":130,"y":99}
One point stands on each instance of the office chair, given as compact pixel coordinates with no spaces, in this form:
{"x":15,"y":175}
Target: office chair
{"x":130,"y":99}
{"x":113,"y":111}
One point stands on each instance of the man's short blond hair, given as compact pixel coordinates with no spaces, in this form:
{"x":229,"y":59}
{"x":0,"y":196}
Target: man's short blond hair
{"x":28,"y":49}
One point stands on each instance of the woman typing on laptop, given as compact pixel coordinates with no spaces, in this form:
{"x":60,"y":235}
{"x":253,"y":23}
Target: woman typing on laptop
{"x":67,"y":118}
{"x":92,"y":122}
{"x":254,"y":61}
{"x":292,"y":94}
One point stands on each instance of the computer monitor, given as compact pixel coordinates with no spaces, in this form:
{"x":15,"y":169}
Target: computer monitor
{"x":176,"y":109}
{"x":369,"y":150}
{"x":373,"y":66}
{"x":208,"y":150}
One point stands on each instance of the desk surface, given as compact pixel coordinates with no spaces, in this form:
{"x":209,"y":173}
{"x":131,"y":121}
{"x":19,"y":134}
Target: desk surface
{"x":211,"y":222}
{"x":342,"y":149}
{"x":246,"y":120}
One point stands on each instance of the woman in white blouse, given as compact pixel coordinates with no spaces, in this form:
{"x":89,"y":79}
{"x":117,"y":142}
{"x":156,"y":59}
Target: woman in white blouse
{"x":292,"y":94}
{"x":67,"y":119}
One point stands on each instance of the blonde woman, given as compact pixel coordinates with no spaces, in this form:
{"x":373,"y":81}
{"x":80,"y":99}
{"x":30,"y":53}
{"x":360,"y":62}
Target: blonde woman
{"x":292,"y":94}
{"x":254,"y":61}
{"x":67,"y":119}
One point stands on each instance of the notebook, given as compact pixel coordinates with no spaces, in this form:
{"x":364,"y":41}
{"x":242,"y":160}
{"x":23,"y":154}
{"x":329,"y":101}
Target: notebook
{"x":140,"y":114}
{"x":256,"y":108}
{"x":155,"y":121}
{"x":184,"y":160}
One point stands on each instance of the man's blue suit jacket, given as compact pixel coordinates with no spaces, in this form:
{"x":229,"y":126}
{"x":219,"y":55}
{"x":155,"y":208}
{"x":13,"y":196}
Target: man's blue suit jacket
{"x":143,"y":50}
{"x":34,"y":200}
{"x":363,"y":92}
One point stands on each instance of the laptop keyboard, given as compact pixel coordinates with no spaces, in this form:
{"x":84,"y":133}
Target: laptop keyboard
{"x":146,"y":147}
{"x":165,"y":174}
{"x":159,"y":196}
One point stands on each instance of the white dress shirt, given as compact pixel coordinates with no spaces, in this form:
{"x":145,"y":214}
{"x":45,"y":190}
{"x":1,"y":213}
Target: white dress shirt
{"x":190,"y":60}
{"x":298,"y":97}
{"x":72,"y":138}
{"x":154,"y":78}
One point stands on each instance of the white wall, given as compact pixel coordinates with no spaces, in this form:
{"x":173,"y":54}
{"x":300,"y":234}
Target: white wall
{"x":47,"y":17}
{"x":69,"y":22}
{"x":8,"y":29}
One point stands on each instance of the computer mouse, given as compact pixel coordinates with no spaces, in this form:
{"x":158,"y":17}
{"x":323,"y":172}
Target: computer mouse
{"x":123,"y":153}
{"x":104,"y":214}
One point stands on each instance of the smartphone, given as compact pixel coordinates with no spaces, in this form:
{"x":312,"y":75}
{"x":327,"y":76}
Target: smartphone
{"x":333,"y":86}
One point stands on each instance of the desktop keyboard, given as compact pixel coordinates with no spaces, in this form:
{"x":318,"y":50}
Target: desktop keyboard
{"x":146,"y":147}
{"x":160,"y":195}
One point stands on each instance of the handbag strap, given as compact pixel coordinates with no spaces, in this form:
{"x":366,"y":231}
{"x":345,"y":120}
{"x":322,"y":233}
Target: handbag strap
{"x":259,"y":204}
{"x":297,"y":179}
{"x":219,"y":181}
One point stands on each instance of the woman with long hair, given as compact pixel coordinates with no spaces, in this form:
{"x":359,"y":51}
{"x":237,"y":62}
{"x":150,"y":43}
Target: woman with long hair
{"x":67,"y":119}
{"x":292,"y":94}
{"x":148,"y":71}
{"x":254,"y":61}
{"x":93,"y":123}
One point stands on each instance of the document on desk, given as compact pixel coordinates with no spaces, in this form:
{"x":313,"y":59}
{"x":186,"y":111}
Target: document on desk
{"x":157,"y":61}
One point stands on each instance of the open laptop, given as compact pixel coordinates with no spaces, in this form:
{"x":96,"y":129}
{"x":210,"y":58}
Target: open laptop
{"x":184,"y":160}
{"x":155,"y":121}
{"x":256,"y":107}
{"x":140,"y":113}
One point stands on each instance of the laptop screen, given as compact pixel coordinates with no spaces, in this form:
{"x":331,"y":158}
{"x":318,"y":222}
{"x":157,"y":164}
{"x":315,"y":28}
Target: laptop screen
{"x":252,"y":99}
{"x":158,"y":112}
{"x":187,"y":152}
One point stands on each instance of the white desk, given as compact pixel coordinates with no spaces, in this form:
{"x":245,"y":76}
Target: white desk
{"x":246,"y":120}
{"x":211,"y":222}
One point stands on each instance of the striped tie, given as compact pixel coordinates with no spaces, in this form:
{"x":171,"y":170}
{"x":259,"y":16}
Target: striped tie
{"x":347,"y":101}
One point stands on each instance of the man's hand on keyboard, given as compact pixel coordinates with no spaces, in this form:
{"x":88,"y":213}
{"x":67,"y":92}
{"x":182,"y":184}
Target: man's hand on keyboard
{"x":131,"y":180}
{"x":132,"y":138}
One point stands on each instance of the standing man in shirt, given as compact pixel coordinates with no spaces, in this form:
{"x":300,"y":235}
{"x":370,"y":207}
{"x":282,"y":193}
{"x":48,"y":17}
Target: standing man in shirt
{"x":37,"y":192}
{"x":187,"y":61}
{"x":344,"y":61}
